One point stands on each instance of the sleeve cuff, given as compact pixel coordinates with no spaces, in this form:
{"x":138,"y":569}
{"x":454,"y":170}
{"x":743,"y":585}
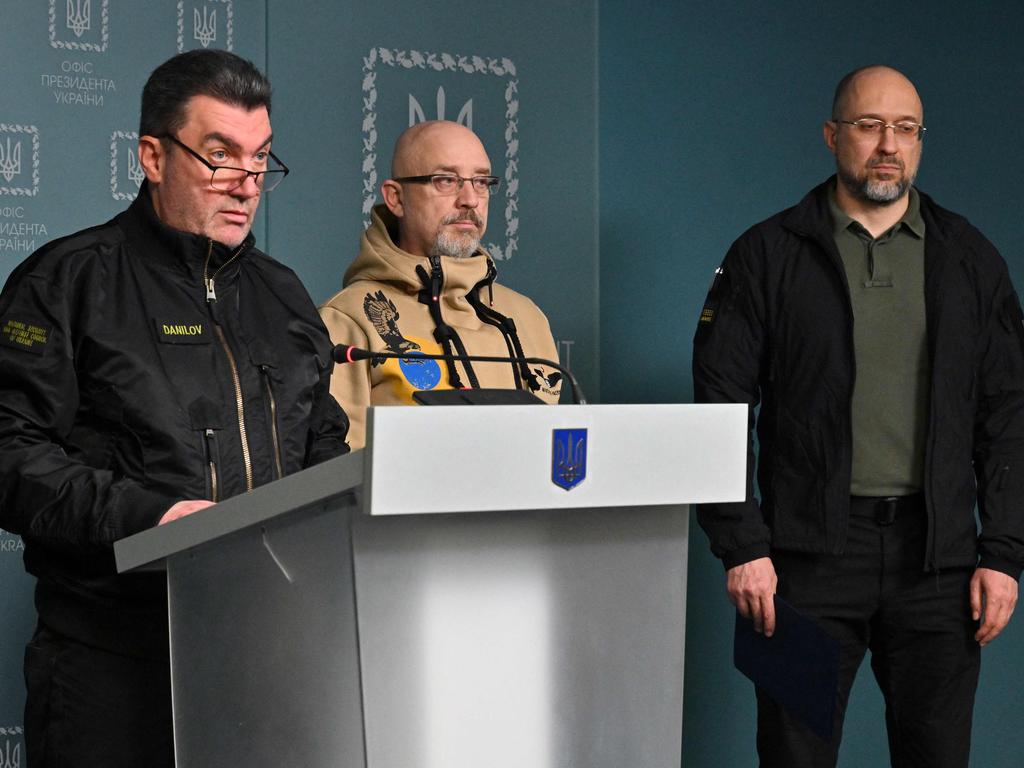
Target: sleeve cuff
{"x":137,"y":509}
{"x":1011,"y":569}
{"x":745,"y":555}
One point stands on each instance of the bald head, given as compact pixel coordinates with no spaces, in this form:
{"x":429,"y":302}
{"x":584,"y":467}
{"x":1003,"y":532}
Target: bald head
{"x":870,"y":80}
{"x":420,"y":144}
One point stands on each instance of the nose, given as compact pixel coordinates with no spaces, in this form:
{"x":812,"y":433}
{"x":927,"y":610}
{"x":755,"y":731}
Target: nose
{"x":467,"y":196}
{"x":887,"y":143}
{"x":249,"y":188}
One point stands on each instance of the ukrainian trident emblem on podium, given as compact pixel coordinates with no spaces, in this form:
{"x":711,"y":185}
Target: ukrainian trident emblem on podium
{"x":568,"y":457}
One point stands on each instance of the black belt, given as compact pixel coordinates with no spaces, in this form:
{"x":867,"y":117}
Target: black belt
{"x":885,"y":509}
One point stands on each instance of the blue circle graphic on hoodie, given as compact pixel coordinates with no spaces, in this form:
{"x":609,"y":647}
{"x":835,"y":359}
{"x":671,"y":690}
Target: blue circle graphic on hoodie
{"x":422,"y":374}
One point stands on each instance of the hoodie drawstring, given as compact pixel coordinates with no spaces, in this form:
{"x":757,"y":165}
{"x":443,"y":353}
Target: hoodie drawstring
{"x":444,"y":334}
{"x":520,"y":371}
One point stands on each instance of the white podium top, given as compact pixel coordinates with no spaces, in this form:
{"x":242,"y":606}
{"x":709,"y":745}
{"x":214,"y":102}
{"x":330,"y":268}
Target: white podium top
{"x":488,"y":458}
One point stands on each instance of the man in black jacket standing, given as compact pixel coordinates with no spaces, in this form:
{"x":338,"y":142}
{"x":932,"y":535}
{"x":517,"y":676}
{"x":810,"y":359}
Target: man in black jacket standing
{"x":882,"y":339}
{"x":151,"y":366}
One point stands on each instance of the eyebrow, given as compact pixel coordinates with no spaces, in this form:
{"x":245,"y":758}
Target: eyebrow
{"x":904,"y":119}
{"x":482,"y":171}
{"x":220,"y":138}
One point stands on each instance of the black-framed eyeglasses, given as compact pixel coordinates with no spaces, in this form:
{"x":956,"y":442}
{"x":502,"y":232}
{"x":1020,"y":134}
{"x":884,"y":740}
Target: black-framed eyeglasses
{"x":905,"y":131}
{"x":451,"y":184}
{"x":225,"y":178}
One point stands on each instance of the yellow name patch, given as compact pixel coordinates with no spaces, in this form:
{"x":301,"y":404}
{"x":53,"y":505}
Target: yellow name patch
{"x":183,"y":330}
{"x":175,"y":332}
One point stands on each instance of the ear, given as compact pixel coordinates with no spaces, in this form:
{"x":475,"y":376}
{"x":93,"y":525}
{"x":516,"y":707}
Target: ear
{"x":152,"y":158}
{"x":391,"y":191}
{"x":828,"y":132}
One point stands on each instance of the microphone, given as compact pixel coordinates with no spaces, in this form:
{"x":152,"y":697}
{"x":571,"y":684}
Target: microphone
{"x":346,"y":353}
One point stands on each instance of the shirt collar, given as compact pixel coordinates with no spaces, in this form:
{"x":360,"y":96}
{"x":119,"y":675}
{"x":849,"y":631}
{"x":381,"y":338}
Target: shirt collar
{"x":911,"y":219}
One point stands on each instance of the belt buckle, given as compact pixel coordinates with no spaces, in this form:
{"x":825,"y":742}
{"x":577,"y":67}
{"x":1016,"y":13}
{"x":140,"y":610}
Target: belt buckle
{"x":885,"y":511}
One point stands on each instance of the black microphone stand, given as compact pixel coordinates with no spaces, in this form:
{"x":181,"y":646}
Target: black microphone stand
{"x":345,"y":353}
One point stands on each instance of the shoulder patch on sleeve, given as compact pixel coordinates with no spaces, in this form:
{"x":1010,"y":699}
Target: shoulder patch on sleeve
{"x":25,"y":334}
{"x":710,"y":309}
{"x":715,"y":290}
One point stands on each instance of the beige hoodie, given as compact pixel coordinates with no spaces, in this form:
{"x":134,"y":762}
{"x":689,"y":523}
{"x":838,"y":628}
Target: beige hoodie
{"x":379,"y":309}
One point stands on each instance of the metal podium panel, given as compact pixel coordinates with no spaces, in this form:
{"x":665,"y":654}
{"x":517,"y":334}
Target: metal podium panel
{"x":540,"y":639}
{"x":264,"y":658}
{"x":314,"y":624}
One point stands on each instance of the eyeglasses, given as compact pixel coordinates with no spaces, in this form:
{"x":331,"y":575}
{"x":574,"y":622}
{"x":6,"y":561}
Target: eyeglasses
{"x":451,"y":184}
{"x":224,"y":178}
{"x":905,"y":131}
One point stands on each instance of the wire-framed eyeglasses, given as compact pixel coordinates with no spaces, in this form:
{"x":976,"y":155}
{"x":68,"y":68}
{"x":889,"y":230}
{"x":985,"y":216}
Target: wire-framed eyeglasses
{"x":225,"y":178}
{"x":905,"y":131}
{"x":451,"y":183}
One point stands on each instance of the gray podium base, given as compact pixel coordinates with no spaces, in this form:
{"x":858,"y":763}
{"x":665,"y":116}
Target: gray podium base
{"x":528,"y":639}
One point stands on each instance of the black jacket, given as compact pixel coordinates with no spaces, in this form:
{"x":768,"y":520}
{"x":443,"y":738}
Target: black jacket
{"x":122,"y":389}
{"x":777,"y":330}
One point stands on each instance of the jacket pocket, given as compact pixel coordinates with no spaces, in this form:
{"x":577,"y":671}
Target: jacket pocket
{"x":207,"y":423}
{"x":212,"y":458}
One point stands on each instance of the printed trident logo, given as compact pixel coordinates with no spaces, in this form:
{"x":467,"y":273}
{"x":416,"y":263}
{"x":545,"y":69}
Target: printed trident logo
{"x":10,"y":162}
{"x":135,"y":172}
{"x":79,"y":16}
{"x":568,"y":457}
{"x":416,"y":114}
{"x":205,"y":26}
{"x":10,"y":758}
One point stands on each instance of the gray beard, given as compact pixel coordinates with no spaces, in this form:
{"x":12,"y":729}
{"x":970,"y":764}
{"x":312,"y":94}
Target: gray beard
{"x":457,"y":247}
{"x":879,"y":192}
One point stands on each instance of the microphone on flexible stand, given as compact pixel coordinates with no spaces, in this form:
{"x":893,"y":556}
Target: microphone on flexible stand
{"x":346,"y":353}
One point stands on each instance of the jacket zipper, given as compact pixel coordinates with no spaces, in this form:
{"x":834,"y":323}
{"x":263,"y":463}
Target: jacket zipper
{"x":211,"y":463}
{"x":273,"y":422}
{"x":211,"y":295}
{"x":239,"y":405}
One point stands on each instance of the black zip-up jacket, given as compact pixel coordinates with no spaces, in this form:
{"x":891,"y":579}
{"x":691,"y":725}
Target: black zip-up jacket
{"x":125,"y":386}
{"x":777,"y":331}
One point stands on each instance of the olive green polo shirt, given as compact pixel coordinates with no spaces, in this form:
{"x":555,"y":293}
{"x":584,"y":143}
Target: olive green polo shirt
{"x":891,"y":389}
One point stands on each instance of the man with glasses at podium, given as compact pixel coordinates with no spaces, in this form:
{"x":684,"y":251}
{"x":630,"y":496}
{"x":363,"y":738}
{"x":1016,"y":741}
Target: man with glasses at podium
{"x":422,"y":284}
{"x":882,"y":339}
{"x":152,"y":366}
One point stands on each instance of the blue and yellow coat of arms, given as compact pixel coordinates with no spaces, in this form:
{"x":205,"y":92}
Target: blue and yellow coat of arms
{"x":568,"y":457}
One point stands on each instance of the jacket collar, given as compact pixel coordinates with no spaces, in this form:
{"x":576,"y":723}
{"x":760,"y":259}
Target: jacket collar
{"x":811,"y":218}
{"x":173,"y":249}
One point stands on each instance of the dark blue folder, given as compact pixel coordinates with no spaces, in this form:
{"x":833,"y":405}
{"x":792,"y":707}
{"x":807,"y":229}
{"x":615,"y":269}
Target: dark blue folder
{"x":798,"y":666}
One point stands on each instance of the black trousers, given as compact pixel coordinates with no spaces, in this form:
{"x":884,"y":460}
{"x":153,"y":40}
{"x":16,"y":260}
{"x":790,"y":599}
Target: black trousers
{"x":88,"y":707}
{"x":919,"y":630}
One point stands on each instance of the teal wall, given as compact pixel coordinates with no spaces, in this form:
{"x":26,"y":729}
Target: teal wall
{"x":710,"y":120}
{"x":706,"y":120}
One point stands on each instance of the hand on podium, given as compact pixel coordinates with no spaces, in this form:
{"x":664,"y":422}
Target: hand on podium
{"x":183,"y":508}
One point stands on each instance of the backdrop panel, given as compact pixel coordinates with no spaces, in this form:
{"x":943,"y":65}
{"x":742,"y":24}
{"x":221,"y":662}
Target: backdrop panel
{"x":69,"y":115}
{"x":351,"y":76}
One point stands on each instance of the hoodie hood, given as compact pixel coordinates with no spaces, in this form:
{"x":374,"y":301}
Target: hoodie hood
{"x":380,"y":260}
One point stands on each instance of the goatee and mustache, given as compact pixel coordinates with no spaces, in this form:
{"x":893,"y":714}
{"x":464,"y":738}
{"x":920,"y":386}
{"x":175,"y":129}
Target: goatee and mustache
{"x":455,"y":244}
{"x":869,"y":190}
